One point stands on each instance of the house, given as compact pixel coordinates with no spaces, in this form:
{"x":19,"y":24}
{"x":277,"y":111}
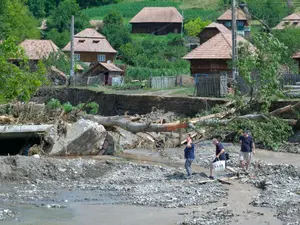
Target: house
{"x":103,"y":73}
{"x":91,"y":47}
{"x":211,"y":30}
{"x":292,"y":21}
{"x":56,"y":76}
{"x":213,"y":55}
{"x":296,"y":56}
{"x":157,"y":20}
{"x":242,"y":22}
{"x":36,"y":50}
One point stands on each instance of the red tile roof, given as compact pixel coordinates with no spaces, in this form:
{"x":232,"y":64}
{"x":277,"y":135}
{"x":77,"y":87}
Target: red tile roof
{"x":38,"y":49}
{"x":218,"y":26}
{"x":158,"y":15}
{"x":296,"y":55}
{"x":89,"y":40}
{"x":292,"y":20}
{"x":218,"y":47}
{"x":228,"y":15}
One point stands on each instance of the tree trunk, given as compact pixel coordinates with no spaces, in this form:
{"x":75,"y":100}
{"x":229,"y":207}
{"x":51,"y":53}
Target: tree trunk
{"x":285,"y":109}
{"x":134,"y":127}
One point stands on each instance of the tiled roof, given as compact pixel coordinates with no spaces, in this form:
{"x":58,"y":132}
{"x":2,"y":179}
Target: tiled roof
{"x":38,"y":49}
{"x":158,"y":15}
{"x":218,"y":47}
{"x":292,"y":21}
{"x":296,"y":55}
{"x":228,"y":15}
{"x":218,"y":26}
{"x":89,"y":40}
{"x":89,"y":33}
{"x":111,"y":67}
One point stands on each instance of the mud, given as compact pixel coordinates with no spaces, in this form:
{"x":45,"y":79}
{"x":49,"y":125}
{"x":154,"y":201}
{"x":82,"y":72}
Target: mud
{"x":68,"y":190}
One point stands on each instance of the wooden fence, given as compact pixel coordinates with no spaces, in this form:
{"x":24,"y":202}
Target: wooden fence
{"x":290,"y":79}
{"x":212,"y":85}
{"x":163,"y":82}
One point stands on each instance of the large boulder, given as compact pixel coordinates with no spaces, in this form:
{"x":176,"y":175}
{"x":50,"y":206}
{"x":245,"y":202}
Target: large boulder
{"x":82,"y":138}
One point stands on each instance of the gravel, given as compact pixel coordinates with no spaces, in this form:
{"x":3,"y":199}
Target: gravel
{"x":45,"y":181}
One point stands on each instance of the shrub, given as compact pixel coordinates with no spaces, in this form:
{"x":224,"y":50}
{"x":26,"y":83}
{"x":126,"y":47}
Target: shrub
{"x":67,"y":107}
{"x":54,"y":104}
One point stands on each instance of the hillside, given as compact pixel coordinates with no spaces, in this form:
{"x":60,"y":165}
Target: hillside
{"x":205,"y":9}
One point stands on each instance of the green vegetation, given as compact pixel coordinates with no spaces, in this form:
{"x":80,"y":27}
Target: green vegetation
{"x":270,"y":133}
{"x":270,"y":11}
{"x":17,"y":21}
{"x":89,"y":108}
{"x":194,"y":27}
{"x":114,"y":29}
{"x":151,"y":56}
{"x":265,"y":85}
{"x":60,"y":19}
{"x":130,"y":9}
{"x":17,"y":82}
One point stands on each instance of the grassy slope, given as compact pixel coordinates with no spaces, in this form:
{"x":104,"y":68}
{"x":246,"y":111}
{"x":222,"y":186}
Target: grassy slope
{"x":206,"y":9}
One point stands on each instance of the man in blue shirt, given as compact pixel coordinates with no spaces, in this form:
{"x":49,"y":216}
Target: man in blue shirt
{"x":220,"y":155}
{"x":189,"y":155}
{"x":247,"y":148}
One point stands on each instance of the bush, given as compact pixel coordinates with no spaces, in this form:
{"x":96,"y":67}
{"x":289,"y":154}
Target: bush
{"x":53,"y":104}
{"x":271,"y":133}
{"x":67,"y":107}
{"x":92,"y":108}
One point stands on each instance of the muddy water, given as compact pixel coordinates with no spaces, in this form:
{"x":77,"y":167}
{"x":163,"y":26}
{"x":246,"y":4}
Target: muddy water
{"x":79,"y":210}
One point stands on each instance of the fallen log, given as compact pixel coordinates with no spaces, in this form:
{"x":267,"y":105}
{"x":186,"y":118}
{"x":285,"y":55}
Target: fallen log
{"x":285,"y":109}
{"x":134,"y":127}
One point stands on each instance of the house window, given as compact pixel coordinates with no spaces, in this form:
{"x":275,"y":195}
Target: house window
{"x":101,"y":58}
{"x":228,"y":24}
{"x":77,"y":57}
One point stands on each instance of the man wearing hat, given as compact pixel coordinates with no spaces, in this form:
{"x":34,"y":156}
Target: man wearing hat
{"x":247,"y":148}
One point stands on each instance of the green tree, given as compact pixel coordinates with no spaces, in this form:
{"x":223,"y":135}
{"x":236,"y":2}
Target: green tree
{"x":271,"y":11}
{"x":60,"y":17}
{"x":59,"y":60}
{"x":17,"y":82}
{"x":37,"y":7}
{"x":263,"y":80}
{"x":114,"y":29}
{"x":290,"y":37}
{"x":60,"y":39}
{"x":194,"y":27}
{"x":17,"y":21}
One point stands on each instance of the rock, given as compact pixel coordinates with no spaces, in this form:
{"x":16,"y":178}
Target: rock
{"x":83,"y":138}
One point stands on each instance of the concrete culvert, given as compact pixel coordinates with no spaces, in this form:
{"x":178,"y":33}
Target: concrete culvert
{"x":18,"y":144}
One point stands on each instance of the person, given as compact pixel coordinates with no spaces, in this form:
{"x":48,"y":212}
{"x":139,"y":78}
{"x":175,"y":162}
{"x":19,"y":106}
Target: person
{"x":220,"y":155}
{"x":247,"y":148}
{"x":189,"y":155}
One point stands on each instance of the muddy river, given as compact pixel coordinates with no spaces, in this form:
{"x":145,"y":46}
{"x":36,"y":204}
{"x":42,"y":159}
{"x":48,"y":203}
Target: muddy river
{"x":141,"y":192}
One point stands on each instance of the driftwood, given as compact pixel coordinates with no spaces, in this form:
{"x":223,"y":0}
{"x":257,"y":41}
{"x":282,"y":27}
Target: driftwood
{"x":285,"y":109}
{"x":134,"y":127}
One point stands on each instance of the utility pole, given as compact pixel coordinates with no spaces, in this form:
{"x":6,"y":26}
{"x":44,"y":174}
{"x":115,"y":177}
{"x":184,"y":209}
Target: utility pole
{"x":182,"y":19}
{"x":234,"y":40}
{"x":72,"y":50}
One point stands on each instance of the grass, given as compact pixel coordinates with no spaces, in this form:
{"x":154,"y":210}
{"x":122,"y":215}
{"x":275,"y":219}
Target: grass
{"x":129,"y":9}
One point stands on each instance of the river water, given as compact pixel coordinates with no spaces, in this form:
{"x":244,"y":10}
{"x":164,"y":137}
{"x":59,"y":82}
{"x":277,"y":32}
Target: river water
{"x":79,"y":208}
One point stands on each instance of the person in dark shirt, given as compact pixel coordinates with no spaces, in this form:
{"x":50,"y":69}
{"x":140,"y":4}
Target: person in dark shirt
{"x":247,"y":148}
{"x":189,"y":155}
{"x":220,"y":155}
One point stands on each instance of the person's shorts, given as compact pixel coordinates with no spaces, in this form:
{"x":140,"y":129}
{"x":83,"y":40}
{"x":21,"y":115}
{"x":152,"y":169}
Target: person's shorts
{"x":245,"y":156}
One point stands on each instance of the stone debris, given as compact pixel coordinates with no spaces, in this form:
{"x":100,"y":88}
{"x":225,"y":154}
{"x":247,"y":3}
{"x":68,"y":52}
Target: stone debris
{"x":7,"y":214}
{"x":214,"y":217}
